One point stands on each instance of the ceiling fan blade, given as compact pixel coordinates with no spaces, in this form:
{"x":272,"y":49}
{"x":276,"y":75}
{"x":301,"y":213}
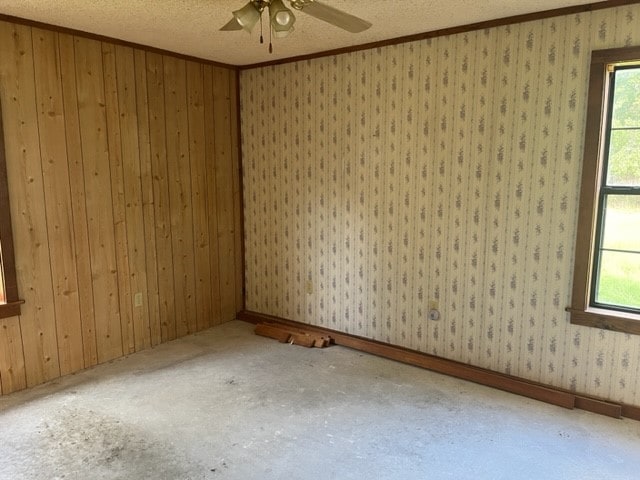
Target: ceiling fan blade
{"x":336,"y":17}
{"x":232,"y":25}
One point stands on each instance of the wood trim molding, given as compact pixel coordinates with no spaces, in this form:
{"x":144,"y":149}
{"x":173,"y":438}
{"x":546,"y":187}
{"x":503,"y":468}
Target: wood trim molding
{"x":600,"y":318}
{"x":10,"y":309}
{"x":527,"y":17}
{"x":113,"y":40}
{"x":12,"y":306}
{"x":630,"y":411}
{"x":507,"y":383}
{"x":580,"y":311}
{"x":586,"y":214}
{"x":599,"y":406}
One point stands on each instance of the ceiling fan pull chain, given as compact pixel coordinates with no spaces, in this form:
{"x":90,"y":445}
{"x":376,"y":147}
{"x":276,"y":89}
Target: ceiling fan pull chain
{"x":261,"y":37}
{"x":270,"y":44}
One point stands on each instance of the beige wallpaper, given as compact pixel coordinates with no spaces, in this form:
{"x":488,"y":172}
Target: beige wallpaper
{"x":443,"y":172}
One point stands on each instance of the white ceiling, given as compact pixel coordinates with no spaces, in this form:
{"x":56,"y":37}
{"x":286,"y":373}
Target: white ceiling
{"x":191,"y":26}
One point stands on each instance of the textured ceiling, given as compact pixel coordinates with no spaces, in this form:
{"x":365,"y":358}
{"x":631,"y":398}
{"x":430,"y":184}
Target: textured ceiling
{"x":191,"y":26}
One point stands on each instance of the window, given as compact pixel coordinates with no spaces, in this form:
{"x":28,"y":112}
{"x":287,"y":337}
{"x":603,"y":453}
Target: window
{"x":9,"y":301}
{"x":606,"y":287}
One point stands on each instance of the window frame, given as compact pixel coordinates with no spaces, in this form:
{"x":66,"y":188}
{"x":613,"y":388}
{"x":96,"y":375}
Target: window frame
{"x":581,"y":311}
{"x":12,"y":306}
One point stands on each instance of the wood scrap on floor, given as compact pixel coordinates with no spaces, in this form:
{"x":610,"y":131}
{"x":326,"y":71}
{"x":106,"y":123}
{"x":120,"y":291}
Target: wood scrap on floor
{"x":292,"y":335}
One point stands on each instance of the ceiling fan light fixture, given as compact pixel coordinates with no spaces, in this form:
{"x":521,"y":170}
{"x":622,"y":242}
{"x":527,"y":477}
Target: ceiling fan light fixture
{"x":282,"y":33}
{"x":281,"y":18}
{"x":247,"y":16}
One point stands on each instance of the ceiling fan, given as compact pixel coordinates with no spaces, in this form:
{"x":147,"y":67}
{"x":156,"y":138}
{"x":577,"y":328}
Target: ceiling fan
{"x":281,"y":18}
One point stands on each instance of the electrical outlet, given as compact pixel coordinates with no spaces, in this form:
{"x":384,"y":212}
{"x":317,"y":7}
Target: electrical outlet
{"x":309,"y":287}
{"x":137,"y":299}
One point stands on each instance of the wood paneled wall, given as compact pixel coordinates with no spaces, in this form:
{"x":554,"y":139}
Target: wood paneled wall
{"x":123,"y":178}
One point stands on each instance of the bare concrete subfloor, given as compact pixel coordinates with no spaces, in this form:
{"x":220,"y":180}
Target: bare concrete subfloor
{"x":226,"y":404}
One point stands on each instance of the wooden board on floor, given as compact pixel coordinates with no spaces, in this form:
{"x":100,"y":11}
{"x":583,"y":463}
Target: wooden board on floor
{"x":294,"y":336}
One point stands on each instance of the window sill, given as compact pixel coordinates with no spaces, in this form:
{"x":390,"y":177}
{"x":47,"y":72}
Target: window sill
{"x":606,"y":320}
{"x":11,"y":309}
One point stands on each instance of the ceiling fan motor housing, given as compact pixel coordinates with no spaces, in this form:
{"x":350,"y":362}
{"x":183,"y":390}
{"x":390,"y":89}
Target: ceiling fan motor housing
{"x":299,"y":4}
{"x":261,"y":4}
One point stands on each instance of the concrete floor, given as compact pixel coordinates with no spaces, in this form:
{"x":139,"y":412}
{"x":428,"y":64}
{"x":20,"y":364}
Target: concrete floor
{"x":226,"y":404}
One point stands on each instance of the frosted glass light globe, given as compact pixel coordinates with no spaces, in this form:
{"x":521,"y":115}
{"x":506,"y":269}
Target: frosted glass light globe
{"x":283,"y":18}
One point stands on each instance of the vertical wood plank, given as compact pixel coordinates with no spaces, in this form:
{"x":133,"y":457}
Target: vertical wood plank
{"x":12,"y":370}
{"x":224,"y":191}
{"x":93,"y":131}
{"x":209,"y":126}
{"x":180,"y":193}
{"x":148,"y":213}
{"x":237,"y":189}
{"x":162,"y":207}
{"x":197,"y":157}
{"x":126,"y":80}
{"x":114,"y":141}
{"x":77,"y":193}
{"x":57,"y":198}
{"x":24,"y":172}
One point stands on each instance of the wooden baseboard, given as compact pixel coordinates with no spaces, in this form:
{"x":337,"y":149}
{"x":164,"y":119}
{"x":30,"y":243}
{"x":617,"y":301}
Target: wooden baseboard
{"x":631,"y":411}
{"x":508,"y":383}
{"x":598,"y":406}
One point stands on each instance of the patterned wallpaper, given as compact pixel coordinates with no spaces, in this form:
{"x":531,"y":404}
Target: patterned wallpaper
{"x":445,"y":172}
